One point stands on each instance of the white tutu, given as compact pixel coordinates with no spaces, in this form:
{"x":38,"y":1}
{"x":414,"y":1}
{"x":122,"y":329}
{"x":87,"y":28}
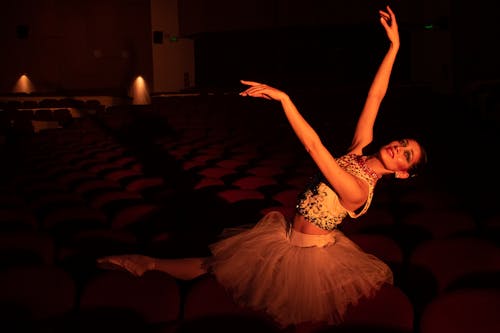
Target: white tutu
{"x":292,"y":276}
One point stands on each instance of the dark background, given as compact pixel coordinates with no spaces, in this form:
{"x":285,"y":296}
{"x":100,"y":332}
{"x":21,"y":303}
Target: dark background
{"x":447,"y":45}
{"x":444,"y":86}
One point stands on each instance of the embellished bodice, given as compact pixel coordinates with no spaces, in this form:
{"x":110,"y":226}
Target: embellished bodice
{"x":319,"y":203}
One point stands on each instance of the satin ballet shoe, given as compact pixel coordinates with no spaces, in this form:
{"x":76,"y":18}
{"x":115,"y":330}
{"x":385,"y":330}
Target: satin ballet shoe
{"x":135,"y":264}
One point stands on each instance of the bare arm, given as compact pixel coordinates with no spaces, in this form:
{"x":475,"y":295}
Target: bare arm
{"x":352,"y":191}
{"x":363,"y":134}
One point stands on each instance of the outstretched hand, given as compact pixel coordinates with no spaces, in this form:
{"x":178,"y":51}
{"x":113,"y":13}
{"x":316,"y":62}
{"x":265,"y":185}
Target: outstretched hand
{"x":388,"y":20}
{"x":261,"y":90}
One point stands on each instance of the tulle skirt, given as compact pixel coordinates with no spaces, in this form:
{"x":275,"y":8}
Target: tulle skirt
{"x":295,"y":277}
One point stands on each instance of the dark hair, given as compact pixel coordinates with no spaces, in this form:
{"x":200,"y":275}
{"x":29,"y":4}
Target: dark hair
{"x":419,"y":165}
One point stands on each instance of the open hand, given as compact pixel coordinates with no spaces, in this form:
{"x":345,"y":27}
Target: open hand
{"x":262,"y":91}
{"x":388,"y":20}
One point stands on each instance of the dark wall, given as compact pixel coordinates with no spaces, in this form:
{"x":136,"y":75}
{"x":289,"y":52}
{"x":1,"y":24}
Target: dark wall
{"x":100,"y":45}
{"x":317,"y":44}
{"x":222,"y":15}
{"x":444,"y":40}
{"x":78,"y":45}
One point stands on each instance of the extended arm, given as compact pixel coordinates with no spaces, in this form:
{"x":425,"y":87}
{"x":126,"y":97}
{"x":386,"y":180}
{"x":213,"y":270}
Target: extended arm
{"x":351,"y":190}
{"x":363,"y":134}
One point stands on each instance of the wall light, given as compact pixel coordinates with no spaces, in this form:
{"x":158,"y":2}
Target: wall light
{"x":139,"y":91}
{"x":23,"y":85}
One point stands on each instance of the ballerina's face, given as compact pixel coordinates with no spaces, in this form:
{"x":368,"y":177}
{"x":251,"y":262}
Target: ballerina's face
{"x":400,"y":155}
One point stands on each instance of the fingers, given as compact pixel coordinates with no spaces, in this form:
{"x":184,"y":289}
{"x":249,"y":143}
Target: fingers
{"x":246,"y":92}
{"x":256,"y":92}
{"x":249,"y":83}
{"x":259,"y":95}
{"x":252,"y":92}
{"x":259,"y":90}
{"x":384,"y":15}
{"x":388,"y":15}
{"x":390,"y":11}
{"x":385,"y":18}
{"x":254,"y":88}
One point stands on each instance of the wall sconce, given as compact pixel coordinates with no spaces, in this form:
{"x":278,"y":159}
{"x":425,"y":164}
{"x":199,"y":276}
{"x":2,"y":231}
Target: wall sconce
{"x":23,"y":85}
{"x":139,"y":91}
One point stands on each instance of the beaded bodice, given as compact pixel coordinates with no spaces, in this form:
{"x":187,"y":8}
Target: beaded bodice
{"x":319,"y":203}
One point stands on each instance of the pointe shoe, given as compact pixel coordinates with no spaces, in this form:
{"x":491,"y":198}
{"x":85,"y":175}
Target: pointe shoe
{"x":134,"y":263}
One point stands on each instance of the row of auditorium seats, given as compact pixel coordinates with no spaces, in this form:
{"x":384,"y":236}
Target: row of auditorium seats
{"x":165,"y":180}
{"x":47,"y":299}
{"x":25,"y":117}
{"x":50,"y":103}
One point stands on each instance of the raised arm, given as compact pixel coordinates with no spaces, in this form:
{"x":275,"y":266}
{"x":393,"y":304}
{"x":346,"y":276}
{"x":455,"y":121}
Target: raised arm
{"x":363,"y":134}
{"x":352,"y":191}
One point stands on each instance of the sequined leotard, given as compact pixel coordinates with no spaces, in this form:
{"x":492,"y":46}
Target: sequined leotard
{"x":320,"y":205}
